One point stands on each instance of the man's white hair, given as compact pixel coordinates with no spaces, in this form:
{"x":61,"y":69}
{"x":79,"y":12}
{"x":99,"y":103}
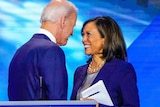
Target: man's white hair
{"x":56,"y":9}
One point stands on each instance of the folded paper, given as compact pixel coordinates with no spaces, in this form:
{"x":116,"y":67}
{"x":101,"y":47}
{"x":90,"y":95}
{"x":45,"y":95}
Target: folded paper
{"x":99,"y":93}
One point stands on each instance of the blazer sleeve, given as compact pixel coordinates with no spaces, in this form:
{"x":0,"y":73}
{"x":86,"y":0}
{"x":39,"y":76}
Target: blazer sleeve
{"x":127,"y":88}
{"x":54,"y":73}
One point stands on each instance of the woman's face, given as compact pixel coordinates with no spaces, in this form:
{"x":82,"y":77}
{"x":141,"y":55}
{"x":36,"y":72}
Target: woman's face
{"x":93,"y":42}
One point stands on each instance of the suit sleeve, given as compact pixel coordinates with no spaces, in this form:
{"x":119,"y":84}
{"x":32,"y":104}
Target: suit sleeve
{"x":54,"y":74}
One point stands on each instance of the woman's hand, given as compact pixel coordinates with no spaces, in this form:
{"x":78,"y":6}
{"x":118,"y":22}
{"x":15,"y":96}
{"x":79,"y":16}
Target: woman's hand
{"x":97,"y":104}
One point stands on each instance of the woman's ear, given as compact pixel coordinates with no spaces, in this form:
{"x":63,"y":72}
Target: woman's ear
{"x":62,"y":21}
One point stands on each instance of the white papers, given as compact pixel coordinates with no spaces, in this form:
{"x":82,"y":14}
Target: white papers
{"x":99,"y":93}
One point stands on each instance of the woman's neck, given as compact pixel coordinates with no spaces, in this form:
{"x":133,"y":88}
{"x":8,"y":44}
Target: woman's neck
{"x":95,"y":65}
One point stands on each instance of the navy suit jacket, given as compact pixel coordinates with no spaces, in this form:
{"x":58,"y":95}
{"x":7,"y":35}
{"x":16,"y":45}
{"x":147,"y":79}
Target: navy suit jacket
{"x":38,"y":71}
{"x":119,"y":78}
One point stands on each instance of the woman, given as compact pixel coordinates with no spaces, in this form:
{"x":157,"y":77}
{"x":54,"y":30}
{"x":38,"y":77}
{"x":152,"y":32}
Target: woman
{"x":104,"y":42}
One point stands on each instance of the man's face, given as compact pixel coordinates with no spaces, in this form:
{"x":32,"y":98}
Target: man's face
{"x":68,"y":29}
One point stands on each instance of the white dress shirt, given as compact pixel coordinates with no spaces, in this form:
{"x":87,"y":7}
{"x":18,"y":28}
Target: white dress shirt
{"x":48,"y":34}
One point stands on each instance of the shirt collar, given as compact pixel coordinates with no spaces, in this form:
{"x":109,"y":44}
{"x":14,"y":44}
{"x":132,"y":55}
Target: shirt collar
{"x":48,"y":34}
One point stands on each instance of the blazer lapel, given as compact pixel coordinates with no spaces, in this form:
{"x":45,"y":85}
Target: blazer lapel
{"x":82,"y":75}
{"x":105,"y":72}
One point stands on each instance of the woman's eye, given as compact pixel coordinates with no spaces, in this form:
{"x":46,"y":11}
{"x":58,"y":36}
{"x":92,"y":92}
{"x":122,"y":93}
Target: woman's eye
{"x":88,"y":34}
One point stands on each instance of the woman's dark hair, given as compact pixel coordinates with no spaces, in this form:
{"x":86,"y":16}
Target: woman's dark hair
{"x":114,"y":44}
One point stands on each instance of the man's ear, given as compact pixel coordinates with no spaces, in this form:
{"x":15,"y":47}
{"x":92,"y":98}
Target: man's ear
{"x":62,"y":21}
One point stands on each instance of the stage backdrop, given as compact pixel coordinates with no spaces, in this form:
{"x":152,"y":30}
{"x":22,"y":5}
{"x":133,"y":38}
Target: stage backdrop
{"x":139,"y":20}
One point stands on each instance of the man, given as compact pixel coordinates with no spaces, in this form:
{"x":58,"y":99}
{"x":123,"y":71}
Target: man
{"x":37,"y":70}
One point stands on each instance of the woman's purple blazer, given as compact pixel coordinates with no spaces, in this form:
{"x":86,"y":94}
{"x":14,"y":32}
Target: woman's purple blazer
{"x":119,"y":78}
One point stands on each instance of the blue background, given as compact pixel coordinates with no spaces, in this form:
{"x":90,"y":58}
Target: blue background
{"x":140,"y":23}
